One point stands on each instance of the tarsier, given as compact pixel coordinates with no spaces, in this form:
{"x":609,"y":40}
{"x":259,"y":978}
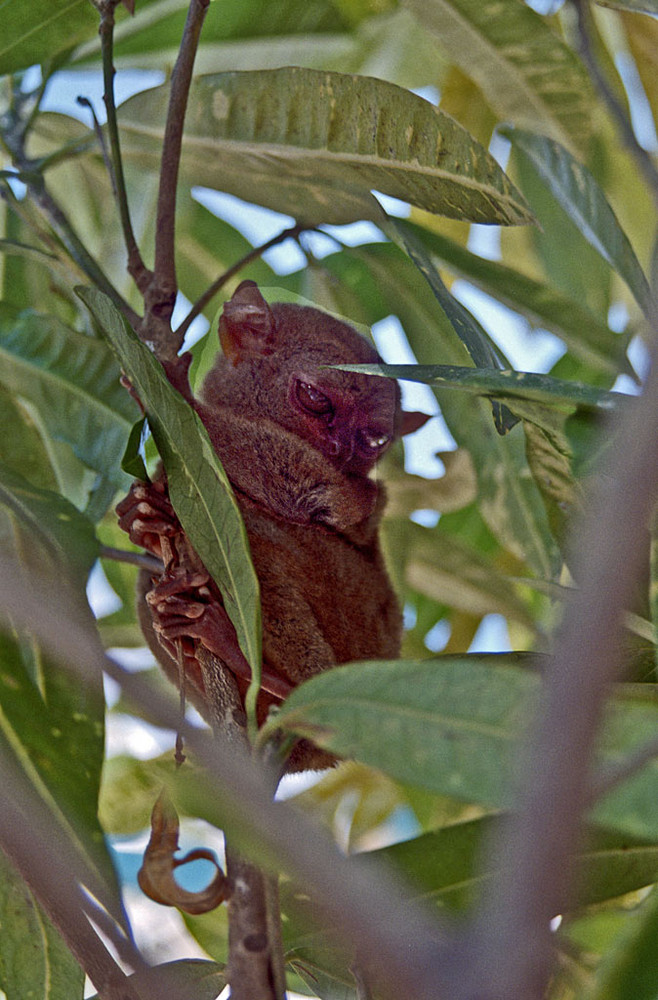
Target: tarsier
{"x":298,"y":442}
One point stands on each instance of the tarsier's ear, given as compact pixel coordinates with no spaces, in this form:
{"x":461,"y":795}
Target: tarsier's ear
{"x":246,"y":326}
{"x":412,"y":421}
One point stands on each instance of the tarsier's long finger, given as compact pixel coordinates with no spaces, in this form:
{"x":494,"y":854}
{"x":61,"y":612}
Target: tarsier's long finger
{"x":152,"y":493}
{"x":179,"y":606}
{"x":176,"y":627}
{"x":187,"y":581}
{"x":138,"y":527}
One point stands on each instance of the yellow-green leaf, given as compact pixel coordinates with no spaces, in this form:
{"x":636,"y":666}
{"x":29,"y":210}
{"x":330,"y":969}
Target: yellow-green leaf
{"x":314,"y":145}
{"x":526,"y":72}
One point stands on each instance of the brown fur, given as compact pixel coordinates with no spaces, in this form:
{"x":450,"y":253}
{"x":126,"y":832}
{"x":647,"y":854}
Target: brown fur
{"x":302,"y":482}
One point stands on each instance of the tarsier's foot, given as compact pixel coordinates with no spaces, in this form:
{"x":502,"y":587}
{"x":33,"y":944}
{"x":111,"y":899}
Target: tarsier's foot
{"x":184,"y":609}
{"x":146,"y":514}
{"x":183,"y":605}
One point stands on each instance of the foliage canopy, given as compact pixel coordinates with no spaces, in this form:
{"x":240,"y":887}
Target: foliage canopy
{"x":397,"y":115}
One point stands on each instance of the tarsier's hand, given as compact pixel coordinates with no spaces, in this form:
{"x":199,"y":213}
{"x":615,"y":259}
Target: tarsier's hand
{"x":146,"y":515}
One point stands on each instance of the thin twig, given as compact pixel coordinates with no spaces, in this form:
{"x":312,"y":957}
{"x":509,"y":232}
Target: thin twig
{"x":275,"y":935}
{"x":219,"y":283}
{"x":136,"y":267}
{"x":14,"y":139}
{"x":160,"y":296}
{"x":84,"y":102}
{"x":76,"y":248}
{"x":142,"y":559}
{"x":643,"y":160}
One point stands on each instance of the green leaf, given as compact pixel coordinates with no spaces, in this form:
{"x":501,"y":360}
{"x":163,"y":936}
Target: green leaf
{"x":456,"y":488}
{"x":52,"y":733}
{"x":157,"y":26}
{"x":581,"y":198}
{"x":454,"y":725}
{"x":130,"y":787}
{"x":24,"y":450}
{"x":122,"y":578}
{"x":509,"y":385}
{"x":317,"y":954}
{"x":554,"y":247}
{"x":551,"y":461}
{"x":133,"y":461}
{"x":451,"y":571}
{"x":54,"y":531}
{"x":479,"y":345}
{"x":450,"y":724}
{"x":188,"y":976}
{"x":33,"y":255}
{"x":527,"y":73}
{"x":210,"y":930}
{"x":73,"y":381}
{"x":34,"y":961}
{"x":34,"y":32}
{"x":353,"y":801}
{"x":581,"y":330}
{"x":198,"y":487}
{"x":643,"y":6}
{"x":629,"y":968}
{"x":630,"y":727}
{"x":324,"y":969}
{"x":313,"y":145}
{"x":445,"y":865}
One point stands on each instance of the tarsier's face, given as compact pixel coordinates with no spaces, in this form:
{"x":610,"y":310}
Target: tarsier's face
{"x":277,"y":361}
{"x":350,"y":418}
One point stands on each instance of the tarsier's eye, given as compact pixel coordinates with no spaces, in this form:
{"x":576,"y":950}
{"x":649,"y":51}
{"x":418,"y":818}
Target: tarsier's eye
{"x":312,"y":400}
{"x":374,"y":441}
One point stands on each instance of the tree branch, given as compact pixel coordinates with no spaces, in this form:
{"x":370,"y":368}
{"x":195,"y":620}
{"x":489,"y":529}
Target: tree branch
{"x":251,"y":956}
{"x":532,"y":856}
{"x":141,"y":559}
{"x":213,"y":289}
{"x":250,"y":961}
{"x":45,"y":861}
